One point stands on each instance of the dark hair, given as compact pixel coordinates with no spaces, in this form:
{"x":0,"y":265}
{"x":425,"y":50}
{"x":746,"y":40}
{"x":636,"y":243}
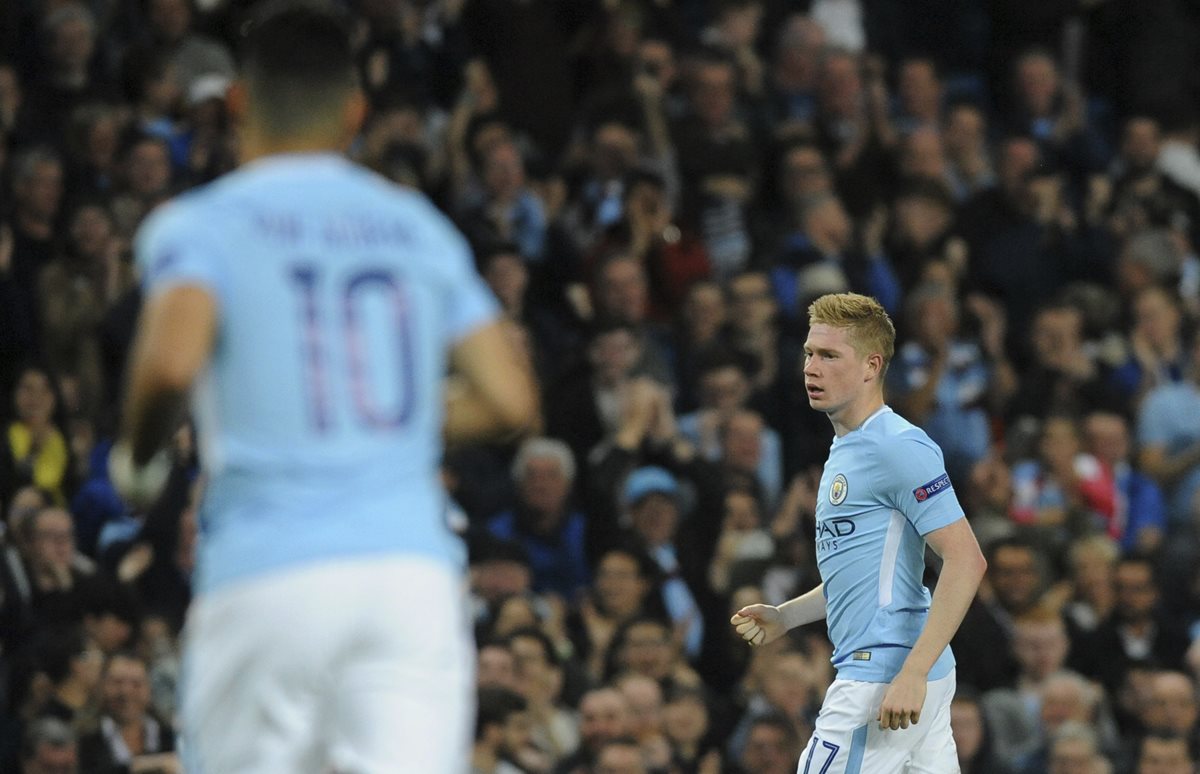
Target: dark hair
{"x":51,"y":731}
{"x":298,"y":63}
{"x":543,"y":639}
{"x":58,"y":649}
{"x":494,"y":707}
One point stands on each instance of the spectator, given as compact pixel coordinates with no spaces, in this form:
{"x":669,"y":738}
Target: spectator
{"x":130,"y":734}
{"x":603,"y":718}
{"x":551,"y":531}
{"x":191,"y":55}
{"x":1014,"y":580}
{"x":541,"y":678}
{"x":73,"y":665}
{"x":1164,"y":754}
{"x":1171,"y":707}
{"x":1140,"y":518}
{"x":1169,"y":439}
{"x":501,"y":727}
{"x":1074,"y":751}
{"x":49,"y":748}
{"x":1135,"y":633}
{"x":495,"y":665}
{"x":772,"y":746}
{"x":972,"y":740}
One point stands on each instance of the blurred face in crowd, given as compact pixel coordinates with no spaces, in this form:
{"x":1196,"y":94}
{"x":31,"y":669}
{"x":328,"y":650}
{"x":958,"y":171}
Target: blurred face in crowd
{"x":495,"y":668}
{"x":724,"y":389}
{"x":1072,"y":756}
{"x":1157,"y":317}
{"x":790,"y":687}
{"x":544,"y":485}
{"x":508,"y":277}
{"x":841,"y":85}
{"x":536,"y":675}
{"x":53,"y":541}
{"x":805,"y":174}
{"x":656,"y":58}
{"x":1137,"y":594}
{"x":685,"y":719}
{"x":966,"y":724}
{"x":741,"y":512}
{"x":91,"y":230}
{"x":1107,"y":437}
{"x":619,"y":584}
{"x":800,"y":46}
{"x":646,"y":204}
{"x":52,"y":759}
{"x":829,"y":226}
{"x":495,"y":579}
{"x":1064,"y":698}
{"x":704,"y":311}
{"x":920,"y":91}
{"x":1059,"y":443}
{"x":647,"y":649}
{"x":767,"y":751}
{"x":714,"y":90}
{"x":603,"y":716}
{"x":614,"y":150}
{"x":920,"y":220}
{"x":1171,"y":704}
{"x":72,"y":44}
{"x":644,"y":697}
{"x":752,"y":307}
{"x":1164,"y":756}
{"x":966,"y":131}
{"x":39,"y":194}
{"x":516,"y":734}
{"x":624,"y":291}
{"x":1018,"y":160}
{"x":1040,"y":647}
{"x":741,"y":446}
{"x":102,"y":141}
{"x":170,"y":19}
{"x":126,"y":690}
{"x":655,"y":518}
{"x":34,"y":398}
{"x":613,"y":355}
{"x":504,"y":171}
{"x":1037,"y":83}
{"x":935,"y":319}
{"x":1057,"y":334}
{"x":620,"y":758}
{"x":149,"y":168}
{"x":1014,"y":576}
{"x":1140,"y":144}
{"x":922,"y":154}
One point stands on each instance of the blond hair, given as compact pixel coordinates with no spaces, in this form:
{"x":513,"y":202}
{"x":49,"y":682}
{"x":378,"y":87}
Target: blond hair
{"x":870,"y":329}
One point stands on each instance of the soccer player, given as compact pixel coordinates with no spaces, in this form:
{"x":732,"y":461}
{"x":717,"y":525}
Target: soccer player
{"x":315,"y":306}
{"x":884,"y":494}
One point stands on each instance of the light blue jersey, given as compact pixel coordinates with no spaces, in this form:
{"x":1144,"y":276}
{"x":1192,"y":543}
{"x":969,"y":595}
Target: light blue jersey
{"x":883,"y":489}
{"x":320,"y":413}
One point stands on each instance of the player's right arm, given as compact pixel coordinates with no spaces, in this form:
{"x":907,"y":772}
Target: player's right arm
{"x":762,"y":624}
{"x":494,"y":392}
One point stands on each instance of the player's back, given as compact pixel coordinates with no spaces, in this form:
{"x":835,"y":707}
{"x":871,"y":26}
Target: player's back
{"x":320,"y":414}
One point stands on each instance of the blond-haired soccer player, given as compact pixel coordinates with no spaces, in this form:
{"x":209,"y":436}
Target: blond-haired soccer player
{"x":884,"y":494}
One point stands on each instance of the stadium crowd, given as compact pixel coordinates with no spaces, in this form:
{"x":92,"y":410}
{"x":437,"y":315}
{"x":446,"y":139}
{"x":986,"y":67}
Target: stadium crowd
{"x":655,"y":190}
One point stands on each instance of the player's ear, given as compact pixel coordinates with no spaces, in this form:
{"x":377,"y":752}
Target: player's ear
{"x":354,"y":113}
{"x":236,"y":100}
{"x":874,"y":365}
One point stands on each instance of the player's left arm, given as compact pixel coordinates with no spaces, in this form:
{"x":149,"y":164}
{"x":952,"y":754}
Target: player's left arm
{"x":176,"y":331}
{"x":962,"y":570}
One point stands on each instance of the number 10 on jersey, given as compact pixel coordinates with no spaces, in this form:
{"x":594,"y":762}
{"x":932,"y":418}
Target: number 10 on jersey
{"x":355,"y":291}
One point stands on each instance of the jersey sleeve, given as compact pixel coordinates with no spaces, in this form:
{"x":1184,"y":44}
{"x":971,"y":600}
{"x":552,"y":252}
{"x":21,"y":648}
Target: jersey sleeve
{"x":176,"y":246}
{"x":911,"y":477}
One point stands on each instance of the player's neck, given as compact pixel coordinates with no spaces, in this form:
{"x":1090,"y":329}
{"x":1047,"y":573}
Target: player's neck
{"x":852,"y":416}
{"x":255,"y":146}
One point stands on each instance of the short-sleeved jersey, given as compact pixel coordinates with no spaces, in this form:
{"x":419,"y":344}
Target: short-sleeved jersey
{"x":319,"y":415}
{"x":883,"y":489}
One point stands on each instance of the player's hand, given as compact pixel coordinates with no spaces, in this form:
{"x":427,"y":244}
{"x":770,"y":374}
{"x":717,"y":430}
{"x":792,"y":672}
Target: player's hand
{"x":903,"y":701}
{"x":138,"y":485}
{"x":759,"y":624}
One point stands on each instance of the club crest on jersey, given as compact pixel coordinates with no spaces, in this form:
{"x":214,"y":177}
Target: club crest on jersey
{"x":838,"y":490}
{"x":934,"y":487}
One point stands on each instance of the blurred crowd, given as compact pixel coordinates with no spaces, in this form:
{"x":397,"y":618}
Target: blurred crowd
{"x":655,"y":190}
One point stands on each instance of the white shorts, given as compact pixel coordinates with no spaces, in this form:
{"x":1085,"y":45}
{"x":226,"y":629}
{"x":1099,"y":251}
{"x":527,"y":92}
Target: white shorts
{"x":848,"y":740}
{"x":358,"y":666}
